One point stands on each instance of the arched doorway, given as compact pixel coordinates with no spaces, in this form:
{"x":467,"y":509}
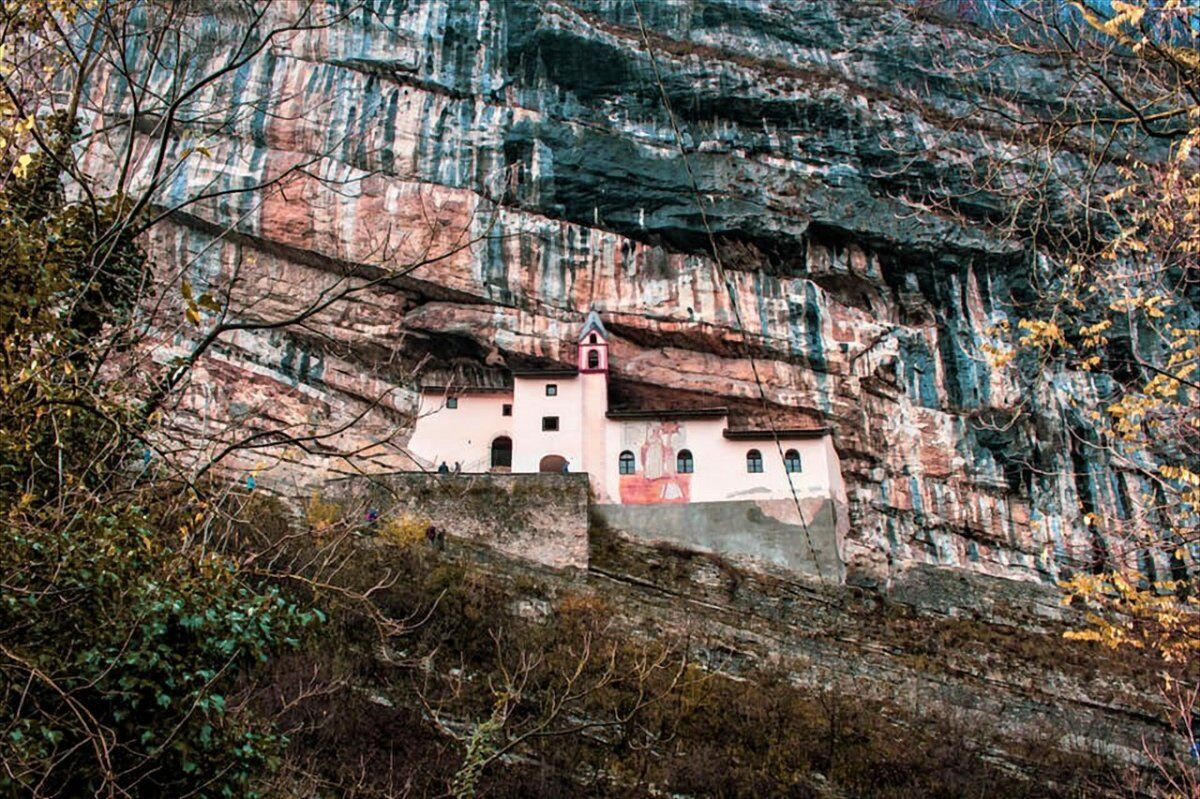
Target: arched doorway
{"x":502,"y":452}
{"x":552,"y":463}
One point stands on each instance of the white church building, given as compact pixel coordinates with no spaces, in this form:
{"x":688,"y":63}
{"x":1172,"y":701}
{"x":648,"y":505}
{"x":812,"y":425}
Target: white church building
{"x":559,"y":420}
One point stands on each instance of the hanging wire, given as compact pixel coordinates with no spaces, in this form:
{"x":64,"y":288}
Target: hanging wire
{"x":737,"y":314}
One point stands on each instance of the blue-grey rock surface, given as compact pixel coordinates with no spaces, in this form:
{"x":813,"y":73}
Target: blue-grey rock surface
{"x":831,"y":151}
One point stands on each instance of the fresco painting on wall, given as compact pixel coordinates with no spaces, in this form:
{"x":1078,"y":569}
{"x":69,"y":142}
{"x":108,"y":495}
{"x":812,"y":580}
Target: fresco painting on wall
{"x":655,"y":479}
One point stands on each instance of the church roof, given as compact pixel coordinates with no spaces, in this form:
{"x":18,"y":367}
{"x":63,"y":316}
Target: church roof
{"x":534,"y":371}
{"x":593,"y":324}
{"x":761,"y":434}
{"x":435,"y":388}
{"x":668,"y":413}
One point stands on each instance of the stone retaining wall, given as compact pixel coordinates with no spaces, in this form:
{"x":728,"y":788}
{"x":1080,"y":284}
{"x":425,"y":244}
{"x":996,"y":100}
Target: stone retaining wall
{"x":539,"y":517}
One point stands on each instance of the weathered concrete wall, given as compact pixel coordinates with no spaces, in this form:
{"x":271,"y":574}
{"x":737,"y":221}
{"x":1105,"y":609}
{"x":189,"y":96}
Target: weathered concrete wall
{"x":766,"y":530}
{"x":539,"y":517}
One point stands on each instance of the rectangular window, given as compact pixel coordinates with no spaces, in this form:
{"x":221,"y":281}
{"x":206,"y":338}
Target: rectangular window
{"x":506,"y":409}
{"x":549,"y":423}
{"x":551,"y":390}
{"x":452,"y":402}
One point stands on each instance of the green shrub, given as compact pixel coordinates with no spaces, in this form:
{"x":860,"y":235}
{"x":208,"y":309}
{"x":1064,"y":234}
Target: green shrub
{"x":123,"y":660}
{"x":127,"y":642}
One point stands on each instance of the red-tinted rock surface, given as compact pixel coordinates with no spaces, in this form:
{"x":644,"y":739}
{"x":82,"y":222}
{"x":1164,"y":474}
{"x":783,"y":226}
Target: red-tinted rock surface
{"x":524,"y":149}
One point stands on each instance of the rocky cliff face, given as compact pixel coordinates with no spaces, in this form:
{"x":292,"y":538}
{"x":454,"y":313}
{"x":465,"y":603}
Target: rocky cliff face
{"x":525,"y":149}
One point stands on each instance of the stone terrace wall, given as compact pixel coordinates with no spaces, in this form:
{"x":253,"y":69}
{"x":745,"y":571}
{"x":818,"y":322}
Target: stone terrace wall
{"x":539,"y":517}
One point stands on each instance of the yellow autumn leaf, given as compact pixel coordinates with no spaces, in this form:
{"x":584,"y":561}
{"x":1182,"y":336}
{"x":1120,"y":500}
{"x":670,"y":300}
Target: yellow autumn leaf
{"x":1184,"y":150}
{"x":1081,"y":635}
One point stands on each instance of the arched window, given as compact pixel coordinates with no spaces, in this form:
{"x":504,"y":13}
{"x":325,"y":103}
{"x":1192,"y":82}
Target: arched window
{"x":684,"y":463}
{"x":502,"y":452}
{"x":553,"y":464}
{"x":625,"y":464}
{"x":592,"y":339}
{"x":593,"y":359}
{"x":754,"y":463}
{"x":791,"y":461}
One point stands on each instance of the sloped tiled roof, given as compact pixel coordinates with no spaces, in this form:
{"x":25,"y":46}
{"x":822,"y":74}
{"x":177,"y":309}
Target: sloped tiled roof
{"x":593,"y":325}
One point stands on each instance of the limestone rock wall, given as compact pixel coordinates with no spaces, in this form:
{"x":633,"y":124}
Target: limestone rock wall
{"x":522,"y":148}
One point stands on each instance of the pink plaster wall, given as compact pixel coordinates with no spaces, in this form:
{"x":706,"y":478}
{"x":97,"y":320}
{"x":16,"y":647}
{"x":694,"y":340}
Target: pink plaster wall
{"x":719,"y":464}
{"x":463,"y":434}
{"x":530,"y":404}
{"x":593,"y":443}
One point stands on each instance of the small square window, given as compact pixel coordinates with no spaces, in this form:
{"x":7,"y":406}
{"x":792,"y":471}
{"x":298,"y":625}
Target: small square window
{"x":452,"y":402}
{"x":551,"y":390}
{"x":506,"y":409}
{"x":549,"y":423}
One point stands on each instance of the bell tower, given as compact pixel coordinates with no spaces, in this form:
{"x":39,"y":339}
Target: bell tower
{"x":593,"y":346}
{"x":592,"y":359}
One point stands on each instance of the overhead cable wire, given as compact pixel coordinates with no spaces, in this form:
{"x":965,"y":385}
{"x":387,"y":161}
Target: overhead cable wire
{"x":721,"y":277}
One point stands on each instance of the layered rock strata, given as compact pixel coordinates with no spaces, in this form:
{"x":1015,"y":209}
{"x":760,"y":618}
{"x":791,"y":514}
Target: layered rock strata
{"x":791,"y":252}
